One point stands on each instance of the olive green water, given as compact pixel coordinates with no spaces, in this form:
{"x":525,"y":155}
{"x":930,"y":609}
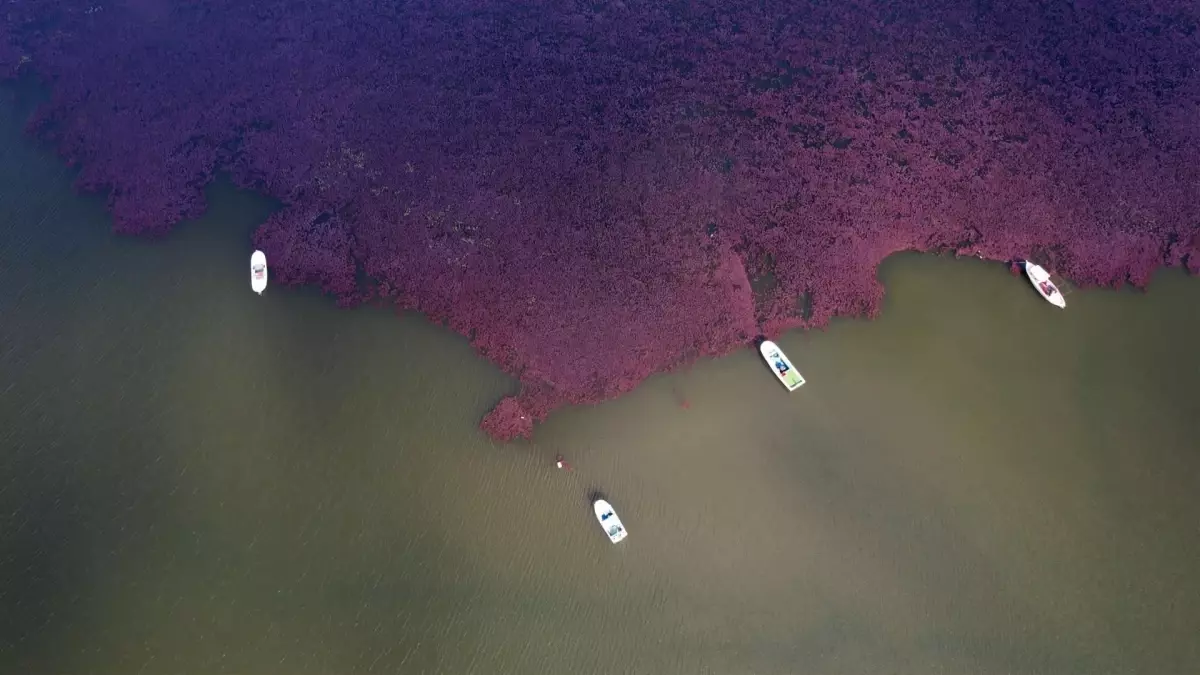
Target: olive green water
{"x":195,"y":479}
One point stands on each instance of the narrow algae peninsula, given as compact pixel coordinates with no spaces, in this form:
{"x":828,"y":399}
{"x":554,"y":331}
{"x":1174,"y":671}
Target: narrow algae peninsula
{"x":593,"y":192}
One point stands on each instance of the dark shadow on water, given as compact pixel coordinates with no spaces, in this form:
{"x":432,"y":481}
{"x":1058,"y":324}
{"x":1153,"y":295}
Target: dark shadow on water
{"x":46,"y":565}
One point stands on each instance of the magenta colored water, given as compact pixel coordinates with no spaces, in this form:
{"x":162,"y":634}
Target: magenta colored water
{"x":196,"y":479}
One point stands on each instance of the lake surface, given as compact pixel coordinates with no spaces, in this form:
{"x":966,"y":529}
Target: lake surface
{"x":195,"y":479}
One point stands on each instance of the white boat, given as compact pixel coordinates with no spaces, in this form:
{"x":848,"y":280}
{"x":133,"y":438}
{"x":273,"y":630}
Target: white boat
{"x":258,"y":272}
{"x":609,"y":520}
{"x":1040,"y":279}
{"x":781,"y":366}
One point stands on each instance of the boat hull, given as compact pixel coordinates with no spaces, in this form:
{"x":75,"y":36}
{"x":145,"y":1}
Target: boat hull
{"x":258,"y":272}
{"x":1040,"y":279}
{"x":609,"y":521}
{"x":781,"y":365}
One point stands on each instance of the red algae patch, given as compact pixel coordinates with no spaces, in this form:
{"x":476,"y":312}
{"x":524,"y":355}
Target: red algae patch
{"x":594,"y":192}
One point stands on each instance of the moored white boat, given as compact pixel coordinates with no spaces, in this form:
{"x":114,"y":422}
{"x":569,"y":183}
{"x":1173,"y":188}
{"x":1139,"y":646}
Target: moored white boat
{"x":1040,"y":279}
{"x":258,"y":272}
{"x":609,"y":521}
{"x":781,"y":365}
